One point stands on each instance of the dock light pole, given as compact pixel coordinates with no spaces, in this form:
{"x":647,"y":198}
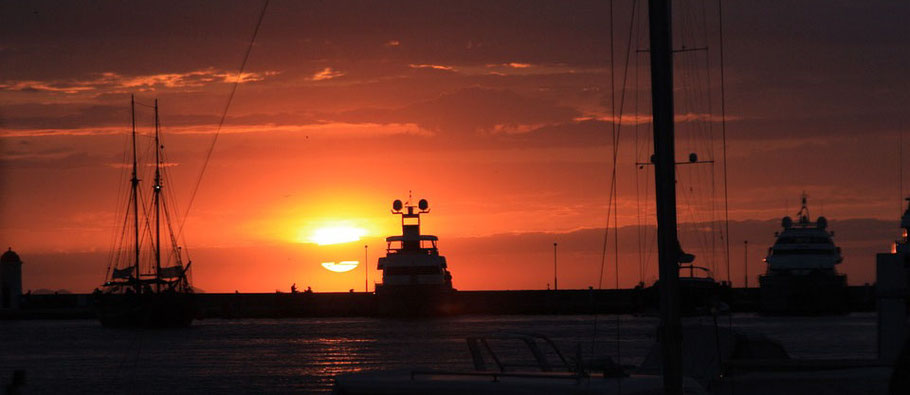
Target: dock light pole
{"x":746,"y":262}
{"x":366,"y":269}
{"x":555,"y":287}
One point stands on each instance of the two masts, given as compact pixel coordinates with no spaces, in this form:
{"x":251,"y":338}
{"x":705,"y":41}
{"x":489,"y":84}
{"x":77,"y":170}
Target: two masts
{"x":147,"y":283}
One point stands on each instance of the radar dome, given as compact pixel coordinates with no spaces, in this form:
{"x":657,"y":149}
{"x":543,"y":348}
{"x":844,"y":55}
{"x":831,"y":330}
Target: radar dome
{"x":423,"y":204}
{"x":787,"y":222}
{"x":397,"y":205}
{"x":822,"y":222}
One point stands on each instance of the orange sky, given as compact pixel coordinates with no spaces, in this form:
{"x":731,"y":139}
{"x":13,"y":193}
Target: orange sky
{"x":498,"y":114}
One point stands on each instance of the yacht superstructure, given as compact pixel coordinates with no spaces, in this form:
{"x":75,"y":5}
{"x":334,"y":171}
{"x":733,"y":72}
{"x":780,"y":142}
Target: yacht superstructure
{"x":415,"y":278}
{"x":801,"y":276}
{"x":412,"y":260}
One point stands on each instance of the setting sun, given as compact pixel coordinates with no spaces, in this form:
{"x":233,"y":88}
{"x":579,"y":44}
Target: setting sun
{"x":341,"y":267}
{"x":336,"y":235}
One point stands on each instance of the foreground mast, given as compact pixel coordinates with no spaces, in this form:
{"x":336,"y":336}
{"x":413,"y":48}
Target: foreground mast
{"x":134,"y":182}
{"x":157,"y":191}
{"x":665,"y":192}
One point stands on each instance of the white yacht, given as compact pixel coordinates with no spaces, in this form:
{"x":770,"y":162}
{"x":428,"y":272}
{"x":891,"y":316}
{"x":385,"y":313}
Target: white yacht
{"x":801,"y":276}
{"x":415,"y":278}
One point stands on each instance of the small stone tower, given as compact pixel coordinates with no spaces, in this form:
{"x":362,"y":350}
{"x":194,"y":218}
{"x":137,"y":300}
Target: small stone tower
{"x":10,"y":280}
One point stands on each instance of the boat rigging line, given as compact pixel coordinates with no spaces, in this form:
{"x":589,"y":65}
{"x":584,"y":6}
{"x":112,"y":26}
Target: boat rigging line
{"x":723,"y":133}
{"x":224,"y":113}
{"x":612,"y":206}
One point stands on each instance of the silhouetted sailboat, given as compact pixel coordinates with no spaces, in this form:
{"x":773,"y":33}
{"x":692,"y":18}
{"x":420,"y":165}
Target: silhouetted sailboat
{"x":144,"y":288}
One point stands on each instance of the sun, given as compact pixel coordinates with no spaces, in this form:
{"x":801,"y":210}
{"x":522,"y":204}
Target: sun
{"x":341,"y":267}
{"x":336,"y":235}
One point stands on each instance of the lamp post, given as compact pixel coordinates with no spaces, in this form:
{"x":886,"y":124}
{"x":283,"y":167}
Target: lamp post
{"x":746,"y":262}
{"x":366,"y":269}
{"x":555,"y":286}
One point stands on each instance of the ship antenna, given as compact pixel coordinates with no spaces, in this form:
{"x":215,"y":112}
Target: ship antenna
{"x":157,"y":201}
{"x":804,"y":210}
{"x":134,"y":182}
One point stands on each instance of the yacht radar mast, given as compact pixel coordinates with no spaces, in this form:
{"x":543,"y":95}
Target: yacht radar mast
{"x":410,"y":222}
{"x":803,"y":214}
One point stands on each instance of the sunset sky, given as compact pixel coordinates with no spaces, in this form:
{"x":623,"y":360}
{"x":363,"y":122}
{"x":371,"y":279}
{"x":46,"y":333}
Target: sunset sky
{"x":501,"y":114}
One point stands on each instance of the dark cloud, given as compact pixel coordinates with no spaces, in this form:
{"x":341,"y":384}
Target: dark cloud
{"x":65,"y":116}
{"x":469,"y":111}
{"x":818,"y":65}
{"x":580,"y":133}
{"x":51,"y":161}
{"x":81,"y":116}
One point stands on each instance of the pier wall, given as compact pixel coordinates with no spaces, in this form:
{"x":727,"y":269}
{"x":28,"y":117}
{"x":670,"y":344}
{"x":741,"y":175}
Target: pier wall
{"x":354,"y":304}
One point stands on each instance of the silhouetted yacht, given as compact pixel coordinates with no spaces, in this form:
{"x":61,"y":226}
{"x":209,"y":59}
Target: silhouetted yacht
{"x":801,"y":276}
{"x":415,"y":278}
{"x":146,"y":286}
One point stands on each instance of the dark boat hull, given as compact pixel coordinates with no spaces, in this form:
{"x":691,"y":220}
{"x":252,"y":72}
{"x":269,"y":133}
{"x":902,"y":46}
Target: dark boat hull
{"x":416,"y":301}
{"x":697,"y":297}
{"x":154,"y":310}
{"x":816,"y":293}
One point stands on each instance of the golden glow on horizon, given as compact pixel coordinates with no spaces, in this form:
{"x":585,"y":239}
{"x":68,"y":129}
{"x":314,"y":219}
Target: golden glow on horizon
{"x":341,"y":267}
{"x":336,"y":235}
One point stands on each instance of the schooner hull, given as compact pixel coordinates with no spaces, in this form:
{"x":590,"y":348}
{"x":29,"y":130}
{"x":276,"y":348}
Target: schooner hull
{"x":154,"y":310}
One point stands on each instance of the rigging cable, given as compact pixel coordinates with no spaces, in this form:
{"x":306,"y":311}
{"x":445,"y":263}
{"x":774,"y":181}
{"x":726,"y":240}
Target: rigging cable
{"x":227,"y":107}
{"x":723,"y":128}
{"x":603,"y":255}
{"x":616,"y":183}
{"x":641,"y":265}
{"x":618,"y":127}
{"x":723,"y":133}
{"x":116,"y":246}
{"x":711,"y":139}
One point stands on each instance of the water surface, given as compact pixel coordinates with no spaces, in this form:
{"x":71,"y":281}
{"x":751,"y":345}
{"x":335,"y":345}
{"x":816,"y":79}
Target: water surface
{"x":302,"y":355}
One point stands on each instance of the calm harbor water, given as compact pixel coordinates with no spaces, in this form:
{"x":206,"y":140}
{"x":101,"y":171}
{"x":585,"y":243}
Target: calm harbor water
{"x":302,"y":355}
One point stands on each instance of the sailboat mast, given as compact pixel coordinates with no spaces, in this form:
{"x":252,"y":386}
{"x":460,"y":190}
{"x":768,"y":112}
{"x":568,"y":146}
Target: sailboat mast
{"x":157,"y":202}
{"x":665,"y":192}
{"x":134,"y":182}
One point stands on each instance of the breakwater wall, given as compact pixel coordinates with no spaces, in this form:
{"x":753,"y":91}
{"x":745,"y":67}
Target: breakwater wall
{"x":353,"y":304}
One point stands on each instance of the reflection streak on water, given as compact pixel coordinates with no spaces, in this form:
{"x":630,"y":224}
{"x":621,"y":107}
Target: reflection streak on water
{"x":304,"y":354}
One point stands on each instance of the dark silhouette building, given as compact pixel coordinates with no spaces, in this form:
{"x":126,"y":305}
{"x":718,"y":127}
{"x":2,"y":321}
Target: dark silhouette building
{"x":10,"y":280}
